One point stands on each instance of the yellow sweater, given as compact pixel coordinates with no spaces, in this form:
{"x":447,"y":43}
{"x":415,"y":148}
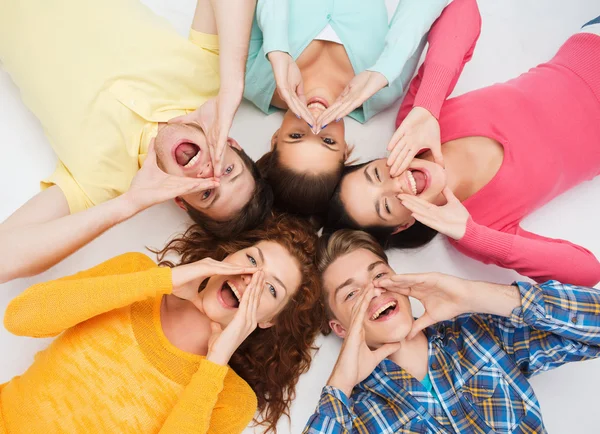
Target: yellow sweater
{"x":113,"y":370}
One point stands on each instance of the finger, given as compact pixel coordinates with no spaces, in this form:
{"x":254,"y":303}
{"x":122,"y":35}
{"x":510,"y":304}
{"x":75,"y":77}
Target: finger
{"x":408,"y":279}
{"x":215,"y":327}
{"x":430,"y":222}
{"x":420,"y":324}
{"x":438,"y":157}
{"x":196,"y":185}
{"x":258,"y":296}
{"x":331,"y":114}
{"x":359,"y":316}
{"x":301,"y":110}
{"x":386,"y":350}
{"x":247,"y":295}
{"x":402,"y":162}
{"x":300,"y":92}
{"x":394,"y":287}
{"x":220,"y":156}
{"x":414,"y":204}
{"x":181,"y":119}
{"x":395,"y":151}
{"x":449,"y":195}
{"x":398,"y":134}
{"x":226,"y":269}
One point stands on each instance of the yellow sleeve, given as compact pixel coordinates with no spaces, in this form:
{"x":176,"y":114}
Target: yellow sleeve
{"x":215,"y":401}
{"x":76,"y":197}
{"x":46,"y":309}
{"x":205,"y":41}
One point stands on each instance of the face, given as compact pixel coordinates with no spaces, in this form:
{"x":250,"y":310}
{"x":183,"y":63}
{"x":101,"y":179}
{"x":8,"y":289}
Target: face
{"x":389,"y":316}
{"x":304,"y":151}
{"x":220,"y":298}
{"x":369,"y":194}
{"x":182,"y":150}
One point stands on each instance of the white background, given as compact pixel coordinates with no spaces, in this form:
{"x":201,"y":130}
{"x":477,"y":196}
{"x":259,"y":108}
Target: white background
{"x":516,"y":35}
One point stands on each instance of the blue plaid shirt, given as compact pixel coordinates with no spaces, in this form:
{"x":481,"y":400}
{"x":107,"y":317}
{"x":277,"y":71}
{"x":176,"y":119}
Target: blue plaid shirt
{"x":479,"y":365}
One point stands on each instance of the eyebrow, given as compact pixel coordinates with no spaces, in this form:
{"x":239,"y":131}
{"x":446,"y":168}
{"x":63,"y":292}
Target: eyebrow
{"x":350,"y":281}
{"x":218,"y":192}
{"x":377,"y":204}
{"x":262,"y":260}
{"x":325,"y":145}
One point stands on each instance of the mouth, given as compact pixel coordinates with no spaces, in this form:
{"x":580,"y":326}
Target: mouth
{"x":187,"y":154}
{"x":317,"y":103}
{"x":229,"y":295}
{"x":385,"y":311}
{"x":418,"y":181}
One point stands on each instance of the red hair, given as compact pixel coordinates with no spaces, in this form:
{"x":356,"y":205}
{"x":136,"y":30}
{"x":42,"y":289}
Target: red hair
{"x":270,"y":360}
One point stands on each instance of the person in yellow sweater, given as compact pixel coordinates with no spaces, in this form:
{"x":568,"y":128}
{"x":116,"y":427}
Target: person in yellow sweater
{"x":136,"y":114}
{"x":193,"y":348}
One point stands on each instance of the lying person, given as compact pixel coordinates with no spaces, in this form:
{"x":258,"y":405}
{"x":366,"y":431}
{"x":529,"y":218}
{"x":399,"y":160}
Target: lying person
{"x":189,"y":349}
{"x":105,"y":79}
{"x":508,"y":149}
{"x":463,"y":366}
{"x":321,"y":61}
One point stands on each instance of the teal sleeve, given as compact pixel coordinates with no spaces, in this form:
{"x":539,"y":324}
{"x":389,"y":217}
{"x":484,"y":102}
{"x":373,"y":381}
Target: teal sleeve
{"x":272,"y":18}
{"x":411,"y":21}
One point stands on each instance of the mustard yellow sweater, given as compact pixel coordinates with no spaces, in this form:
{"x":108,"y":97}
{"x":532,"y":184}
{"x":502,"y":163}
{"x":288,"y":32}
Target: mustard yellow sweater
{"x":112,"y":370}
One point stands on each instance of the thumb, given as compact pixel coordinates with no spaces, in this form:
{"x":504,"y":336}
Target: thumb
{"x":300,"y":92}
{"x":181,"y":119}
{"x":386,"y":350}
{"x":420,"y":324}
{"x":438,"y":157}
{"x":449,"y":195}
{"x":215,"y":328}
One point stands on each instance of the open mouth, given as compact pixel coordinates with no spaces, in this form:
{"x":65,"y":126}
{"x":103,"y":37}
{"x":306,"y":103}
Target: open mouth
{"x":385,"y":311}
{"x":316,"y":102}
{"x":417,"y":180}
{"x":187,"y":154}
{"x":230,"y":295}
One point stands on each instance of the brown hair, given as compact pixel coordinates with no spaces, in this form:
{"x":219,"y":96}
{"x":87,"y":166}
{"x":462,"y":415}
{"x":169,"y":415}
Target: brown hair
{"x":269,"y":360}
{"x":302,"y":193}
{"x":338,"y":244}
{"x":250,"y":216}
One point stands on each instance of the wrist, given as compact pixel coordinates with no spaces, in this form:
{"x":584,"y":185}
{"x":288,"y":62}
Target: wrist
{"x":494,"y":299}
{"x":218,"y":359}
{"x":340,"y":383}
{"x":126,"y":207}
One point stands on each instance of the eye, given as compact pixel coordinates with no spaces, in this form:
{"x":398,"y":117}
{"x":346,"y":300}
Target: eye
{"x":272,"y":290}
{"x":206,"y":194}
{"x":387,"y":207}
{"x":329,"y":141}
{"x":380,"y":275}
{"x":251,"y":260}
{"x":377,"y":174}
{"x":350,"y":295}
{"x":229,"y":170}
{"x":296,"y":136}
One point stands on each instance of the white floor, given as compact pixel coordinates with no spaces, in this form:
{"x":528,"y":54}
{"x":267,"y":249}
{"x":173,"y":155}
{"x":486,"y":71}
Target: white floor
{"x":517,"y":35}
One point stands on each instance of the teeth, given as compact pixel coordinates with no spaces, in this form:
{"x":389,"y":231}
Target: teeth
{"x":193,"y":160}
{"x":316,"y":104}
{"x":413,"y":183}
{"x":235,"y":291}
{"x":381,"y":309}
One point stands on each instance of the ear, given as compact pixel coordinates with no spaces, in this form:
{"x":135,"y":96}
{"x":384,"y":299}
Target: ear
{"x":274,"y":139}
{"x":265,"y":324}
{"x":181,"y":204}
{"x":405,"y":226}
{"x":233,"y":143}
{"x":337,"y":328}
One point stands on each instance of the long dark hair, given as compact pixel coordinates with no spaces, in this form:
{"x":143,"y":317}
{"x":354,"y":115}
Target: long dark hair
{"x":337,"y":217}
{"x":301,"y":193}
{"x":269,"y":360}
{"x":250,"y":216}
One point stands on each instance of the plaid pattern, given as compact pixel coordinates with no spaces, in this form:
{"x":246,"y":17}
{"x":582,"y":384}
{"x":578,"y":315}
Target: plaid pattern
{"x":479,"y":365}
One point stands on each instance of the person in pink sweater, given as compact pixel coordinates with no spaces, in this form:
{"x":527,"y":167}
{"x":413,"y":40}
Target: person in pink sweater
{"x":505,"y":150}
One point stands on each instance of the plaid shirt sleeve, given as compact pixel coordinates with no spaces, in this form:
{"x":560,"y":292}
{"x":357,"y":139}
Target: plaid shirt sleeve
{"x":334,"y":414}
{"x":555,"y":324}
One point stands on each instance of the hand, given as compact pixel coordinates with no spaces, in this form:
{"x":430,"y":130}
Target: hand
{"x":443,"y":297}
{"x":215,"y":117}
{"x":419,"y":130}
{"x":356,"y":360}
{"x":188,"y":277}
{"x":151,"y":185}
{"x":290,"y":86}
{"x":450,"y":219}
{"x":223,"y":343}
{"x":362,"y":87}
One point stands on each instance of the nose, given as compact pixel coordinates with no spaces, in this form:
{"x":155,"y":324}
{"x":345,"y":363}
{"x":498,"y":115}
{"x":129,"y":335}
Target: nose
{"x":378,"y":291}
{"x":206,"y":171}
{"x":246,"y":278}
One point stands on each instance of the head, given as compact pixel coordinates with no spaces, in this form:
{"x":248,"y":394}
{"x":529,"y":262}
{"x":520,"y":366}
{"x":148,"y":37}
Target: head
{"x":303,"y":168}
{"x":243,"y":198}
{"x":290,"y":314}
{"x":349,"y":261}
{"x":367,"y":198}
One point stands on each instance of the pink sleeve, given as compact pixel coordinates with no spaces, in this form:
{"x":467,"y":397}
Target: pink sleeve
{"x":452,"y":41}
{"x":531,"y":255}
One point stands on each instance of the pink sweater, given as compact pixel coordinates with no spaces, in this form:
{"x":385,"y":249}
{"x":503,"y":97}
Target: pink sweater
{"x":547,"y":120}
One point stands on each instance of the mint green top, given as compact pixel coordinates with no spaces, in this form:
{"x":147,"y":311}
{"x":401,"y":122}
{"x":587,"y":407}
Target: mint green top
{"x":372,"y":44}
{"x":428,"y":385}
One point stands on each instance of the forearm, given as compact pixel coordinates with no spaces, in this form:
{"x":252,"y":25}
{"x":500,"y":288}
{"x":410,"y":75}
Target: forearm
{"x":493,"y":299}
{"x":33,"y":248}
{"x":234,"y":22}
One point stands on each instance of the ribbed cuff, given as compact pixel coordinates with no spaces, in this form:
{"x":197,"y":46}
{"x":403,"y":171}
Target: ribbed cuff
{"x":434,"y":88}
{"x":212,"y":371}
{"x":581,"y":54}
{"x":487,"y":242}
{"x":161,"y":280}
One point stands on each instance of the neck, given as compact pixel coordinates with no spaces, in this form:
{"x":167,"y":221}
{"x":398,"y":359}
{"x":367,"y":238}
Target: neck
{"x":413,"y":356}
{"x":185,"y":325}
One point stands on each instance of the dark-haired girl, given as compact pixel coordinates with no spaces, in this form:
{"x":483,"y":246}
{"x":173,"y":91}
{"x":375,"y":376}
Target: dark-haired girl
{"x":507,"y":149}
{"x":194,"y":348}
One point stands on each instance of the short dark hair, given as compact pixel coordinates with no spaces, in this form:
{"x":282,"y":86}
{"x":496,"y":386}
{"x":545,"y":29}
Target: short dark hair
{"x":333,"y":246}
{"x":249,"y":217}
{"x":337,"y":217}
{"x":300,"y":193}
